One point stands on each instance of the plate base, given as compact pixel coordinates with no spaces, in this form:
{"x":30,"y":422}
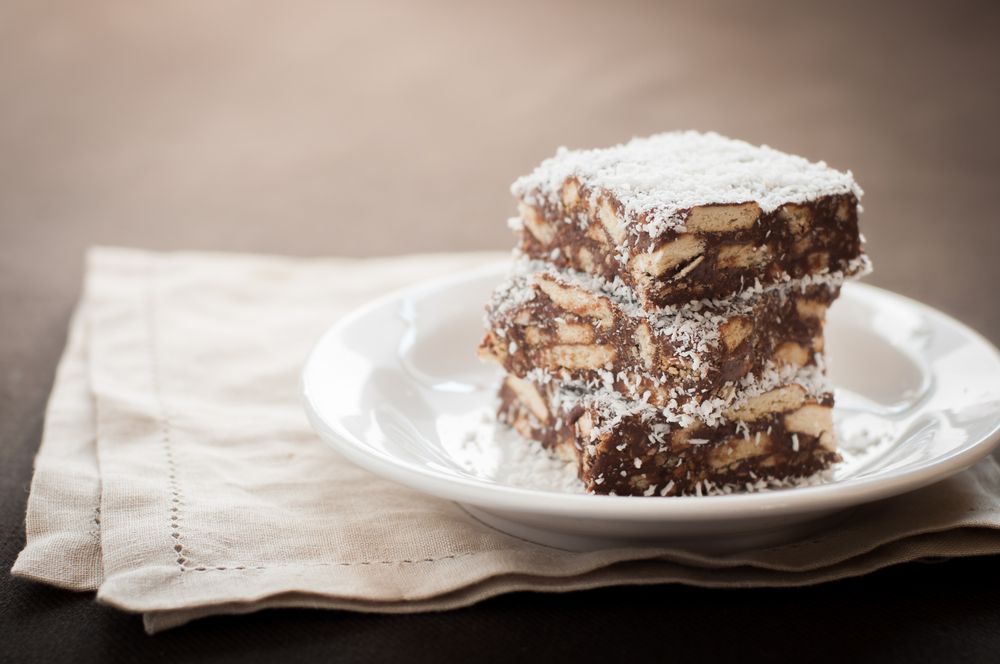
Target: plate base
{"x":783,"y":530}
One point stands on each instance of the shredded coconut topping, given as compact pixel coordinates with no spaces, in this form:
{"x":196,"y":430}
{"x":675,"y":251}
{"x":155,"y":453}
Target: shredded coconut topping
{"x":658,"y":179}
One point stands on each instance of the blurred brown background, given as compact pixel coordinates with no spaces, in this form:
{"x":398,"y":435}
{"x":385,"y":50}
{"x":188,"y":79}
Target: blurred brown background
{"x":321,"y":128}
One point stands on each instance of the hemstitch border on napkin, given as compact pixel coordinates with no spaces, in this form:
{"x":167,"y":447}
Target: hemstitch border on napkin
{"x":176,"y":499}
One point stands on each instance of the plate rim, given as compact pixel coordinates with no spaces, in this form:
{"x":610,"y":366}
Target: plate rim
{"x":491,"y":495}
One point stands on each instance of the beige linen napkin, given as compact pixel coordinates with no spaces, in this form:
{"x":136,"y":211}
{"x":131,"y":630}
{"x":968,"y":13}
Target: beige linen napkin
{"x":178,"y":476}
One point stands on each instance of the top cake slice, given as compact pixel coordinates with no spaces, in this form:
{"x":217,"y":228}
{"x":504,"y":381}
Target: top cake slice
{"x":685,"y":216}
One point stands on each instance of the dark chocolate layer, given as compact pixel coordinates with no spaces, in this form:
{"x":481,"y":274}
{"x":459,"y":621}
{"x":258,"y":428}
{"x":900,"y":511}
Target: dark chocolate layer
{"x":723,"y":249}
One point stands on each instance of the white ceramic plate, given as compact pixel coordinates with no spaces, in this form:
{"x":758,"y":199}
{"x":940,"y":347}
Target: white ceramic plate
{"x":396,"y":388}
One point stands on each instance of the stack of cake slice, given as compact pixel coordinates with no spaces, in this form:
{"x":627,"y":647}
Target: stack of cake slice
{"x":663,"y":323}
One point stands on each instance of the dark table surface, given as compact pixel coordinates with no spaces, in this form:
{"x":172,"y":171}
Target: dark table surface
{"x":310,"y":128}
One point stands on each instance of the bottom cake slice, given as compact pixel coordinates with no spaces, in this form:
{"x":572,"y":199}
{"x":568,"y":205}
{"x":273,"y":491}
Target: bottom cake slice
{"x":777,"y":432}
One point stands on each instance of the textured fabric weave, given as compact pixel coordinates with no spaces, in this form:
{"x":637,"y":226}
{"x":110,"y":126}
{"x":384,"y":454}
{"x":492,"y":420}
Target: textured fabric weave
{"x":178,"y":476}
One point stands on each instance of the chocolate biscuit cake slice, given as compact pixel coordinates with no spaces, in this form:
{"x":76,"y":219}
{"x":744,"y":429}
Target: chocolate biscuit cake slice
{"x":544,"y":323}
{"x":776,"y":431}
{"x":684,"y":216}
